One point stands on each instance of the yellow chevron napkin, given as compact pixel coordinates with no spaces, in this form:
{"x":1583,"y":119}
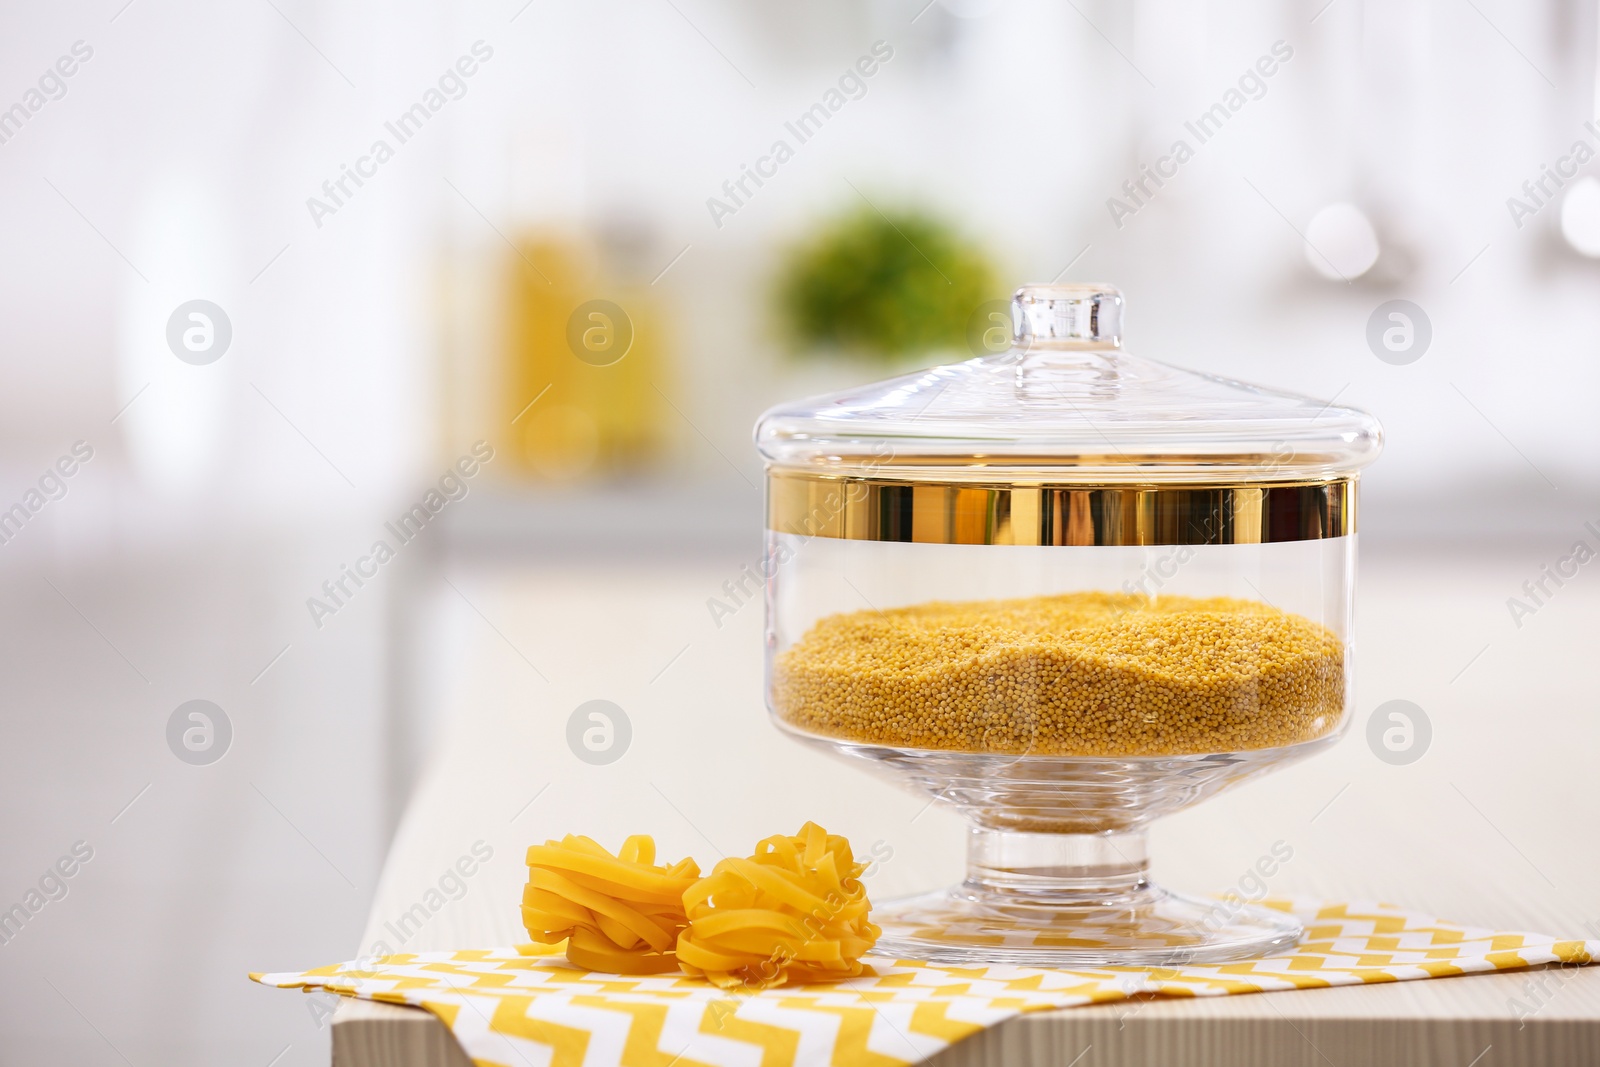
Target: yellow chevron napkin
{"x":507,"y":1008}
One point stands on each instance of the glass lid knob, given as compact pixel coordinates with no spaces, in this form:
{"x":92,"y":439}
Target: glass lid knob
{"x":1067,"y":316}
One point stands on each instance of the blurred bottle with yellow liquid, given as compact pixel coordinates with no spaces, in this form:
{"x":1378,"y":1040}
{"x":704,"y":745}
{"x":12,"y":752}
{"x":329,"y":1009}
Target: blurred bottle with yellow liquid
{"x":586,"y":363}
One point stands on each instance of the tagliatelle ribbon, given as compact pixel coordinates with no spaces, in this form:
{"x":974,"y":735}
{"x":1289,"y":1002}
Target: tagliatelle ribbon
{"x":796,"y":911}
{"x":620,"y":914}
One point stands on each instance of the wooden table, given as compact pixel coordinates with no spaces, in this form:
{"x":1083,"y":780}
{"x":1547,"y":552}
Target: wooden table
{"x":1492,"y":827}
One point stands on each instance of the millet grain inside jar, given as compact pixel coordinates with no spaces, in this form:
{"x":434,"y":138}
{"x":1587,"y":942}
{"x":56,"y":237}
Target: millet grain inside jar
{"x":1075,"y":674}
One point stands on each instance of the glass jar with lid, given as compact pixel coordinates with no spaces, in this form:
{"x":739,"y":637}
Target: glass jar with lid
{"x":1067,"y":591}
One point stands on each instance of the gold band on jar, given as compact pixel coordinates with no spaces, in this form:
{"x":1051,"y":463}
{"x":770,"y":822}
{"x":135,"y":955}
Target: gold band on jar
{"x":968,"y":513}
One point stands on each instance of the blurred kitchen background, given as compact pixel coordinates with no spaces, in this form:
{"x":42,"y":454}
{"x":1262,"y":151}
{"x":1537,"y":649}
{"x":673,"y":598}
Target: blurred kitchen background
{"x":363,"y":333}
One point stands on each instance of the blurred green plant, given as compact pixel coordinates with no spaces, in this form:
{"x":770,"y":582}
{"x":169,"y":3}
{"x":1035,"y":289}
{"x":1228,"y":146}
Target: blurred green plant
{"x":883,"y":287}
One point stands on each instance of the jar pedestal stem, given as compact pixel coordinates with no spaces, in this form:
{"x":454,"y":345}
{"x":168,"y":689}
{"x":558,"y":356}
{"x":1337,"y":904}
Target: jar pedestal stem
{"x":1066,"y":869}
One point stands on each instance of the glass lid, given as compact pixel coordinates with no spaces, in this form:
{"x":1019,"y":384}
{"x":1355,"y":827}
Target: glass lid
{"x":1066,"y":404}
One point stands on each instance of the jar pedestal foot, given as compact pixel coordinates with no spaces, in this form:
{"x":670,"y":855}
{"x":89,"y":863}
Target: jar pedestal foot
{"x":1059,"y":900}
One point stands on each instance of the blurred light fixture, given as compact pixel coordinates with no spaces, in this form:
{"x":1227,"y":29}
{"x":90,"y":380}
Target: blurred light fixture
{"x":177,"y":436}
{"x":1341,"y":243}
{"x":1580,"y":217}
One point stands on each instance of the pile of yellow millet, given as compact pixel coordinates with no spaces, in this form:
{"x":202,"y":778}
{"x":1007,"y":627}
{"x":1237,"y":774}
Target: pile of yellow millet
{"x":1076,"y":674}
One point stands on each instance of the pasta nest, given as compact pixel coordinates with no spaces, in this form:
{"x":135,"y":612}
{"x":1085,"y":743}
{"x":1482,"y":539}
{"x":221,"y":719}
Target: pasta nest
{"x":796,"y":911}
{"x":618,"y":914}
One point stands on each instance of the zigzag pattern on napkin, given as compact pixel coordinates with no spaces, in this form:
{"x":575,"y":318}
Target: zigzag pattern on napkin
{"x":508,"y":1009}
